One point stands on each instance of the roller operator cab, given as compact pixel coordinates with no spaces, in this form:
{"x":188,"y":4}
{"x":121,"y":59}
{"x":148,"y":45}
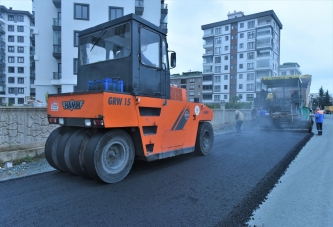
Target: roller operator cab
{"x":124,"y":107}
{"x":284,"y":103}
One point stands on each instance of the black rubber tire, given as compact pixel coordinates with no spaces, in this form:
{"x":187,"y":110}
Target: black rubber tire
{"x":51,"y":146}
{"x":112,"y":158}
{"x":61,"y":148}
{"x":76,"y":153}
{"x":205,"y":138}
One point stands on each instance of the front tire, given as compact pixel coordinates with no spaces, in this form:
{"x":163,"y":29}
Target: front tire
{"x":112,"y":158}
{"x":205,"y":138}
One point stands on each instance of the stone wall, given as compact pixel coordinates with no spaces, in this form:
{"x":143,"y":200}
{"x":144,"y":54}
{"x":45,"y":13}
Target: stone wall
{"x":23,"y":131}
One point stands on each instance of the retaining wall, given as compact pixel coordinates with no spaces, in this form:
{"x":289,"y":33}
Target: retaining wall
{"x":24,"y":130}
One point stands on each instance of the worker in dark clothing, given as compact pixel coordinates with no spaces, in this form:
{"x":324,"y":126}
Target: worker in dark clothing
{"x":319,"y":115}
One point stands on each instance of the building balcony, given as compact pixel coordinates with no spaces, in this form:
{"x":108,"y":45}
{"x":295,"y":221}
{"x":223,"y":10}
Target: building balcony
{"x":56,"y":75}
{"x":2,"y":30}
{"x":164,"y":8}
{"x":139,"y":7}
{"x":56,"y":26}
{"x":57,"y":3}
{"x":32,"y":64}
{"x":264,"y":23}
{"x":57,"y":51}
{"x":33,"y":76}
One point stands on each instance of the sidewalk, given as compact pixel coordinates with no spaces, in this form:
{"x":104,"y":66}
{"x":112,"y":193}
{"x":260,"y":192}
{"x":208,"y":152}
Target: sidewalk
{"x":303,"y":197}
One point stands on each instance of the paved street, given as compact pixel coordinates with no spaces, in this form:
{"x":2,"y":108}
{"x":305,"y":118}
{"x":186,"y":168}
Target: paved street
{"x":304,"y":196}
{"x":220,"y":189}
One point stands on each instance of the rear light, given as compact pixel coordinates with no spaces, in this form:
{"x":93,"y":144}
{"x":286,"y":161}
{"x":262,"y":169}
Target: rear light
{"x":98,"y":122}
{"x":61,"y":121}
{"x":87,"y":122}
{"x":53,"y":120}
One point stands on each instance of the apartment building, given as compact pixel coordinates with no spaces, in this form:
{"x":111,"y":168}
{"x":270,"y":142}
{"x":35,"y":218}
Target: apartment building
{"x":192,"y":82}
{"x":16,"y":55}
{"x":290,"y":68}
{"x":58,"y":23}
{"x":237,"y":53}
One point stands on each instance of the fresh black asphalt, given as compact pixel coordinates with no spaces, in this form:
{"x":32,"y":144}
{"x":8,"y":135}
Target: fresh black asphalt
{"x":221,"y":189}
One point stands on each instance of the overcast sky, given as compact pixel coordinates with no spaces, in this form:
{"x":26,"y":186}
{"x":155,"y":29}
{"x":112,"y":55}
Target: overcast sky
{"x":306,"y":37}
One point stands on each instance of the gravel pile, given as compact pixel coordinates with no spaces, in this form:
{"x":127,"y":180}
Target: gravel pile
{"x":25,"y":169}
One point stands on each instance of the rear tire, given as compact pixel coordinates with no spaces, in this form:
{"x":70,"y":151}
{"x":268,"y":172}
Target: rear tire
{"x":51,"y":146}
{"x":64,"y":140}
{"x":205,"y":138}
{"x":112,"y":159}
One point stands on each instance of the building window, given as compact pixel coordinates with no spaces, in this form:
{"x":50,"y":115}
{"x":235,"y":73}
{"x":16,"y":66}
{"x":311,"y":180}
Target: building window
{"x":240,"y":96}
{"x":250,"y":76}
{"x":250,"y":45}
{"x":250,"y":87}
{"x":217,"y":31}
{"x":207,"y":78}
{"x":240,"y":66}
{"x":20,"y":80}
{"x":240,"y":55}
{"x":207,"y":97}
{"x":217,"y":50}
{"x":225,"y":87}
{"x":226,"y":48}
{"x":241,"y":35}
{"x":10,"y":49}
{"x":20,"y":49}
{"x":10,"y":38}
{"x":218,"y":40}
{"x":20,"y":100}
{"x":11,"y":70}
{"x":115,"y":12}
{"x":191,"y":80}
{"x":81,"y":11}
{"x":241,"y":25}
{"x":207,"y":87}
{"x":226,"y":57}
{"x":225,"y":97}
{"x":225,"y":67}
{"x":20,"y":69}
{"x":226,"y":38}
{"x":10,"y":17}
{"x":283,"y":73}
{"x":217,"y":98}
{"x":20,"y":59}
{"x":11,"y":90}
{"x":183,"y":86}
{"x":241,"y":45}
{"x":11,"y":80}
{"x":183,"y":81}
{"x":20,"y":28}
{"x":250,"y":55}
{"x":20,"y":39}
{"x":217,"y":69}
{"x":234,"y":47}
{"x":240,"y":76}
{"x":226,"y":28}
{"x":249,"y":97}
{"x":217,"y":60}
{"x":76,"y":38}
{"x":217,"y":79}
{"x":10,"y":28}
{"x":11,"y":59}
{"x":250,"y":35}
{"x":250,"y":24}
{"x":225,"y":77}
{"x":208,"y":60}
{"x":240,"y":86}
{"x":191,"y":87}
{"x":250,"y":65}
{"x":191,"y":93}
{"x":20,"y":18}
{"x":20,"y":90}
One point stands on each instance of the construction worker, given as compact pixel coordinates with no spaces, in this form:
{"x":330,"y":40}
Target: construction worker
{"x":319,"y":115}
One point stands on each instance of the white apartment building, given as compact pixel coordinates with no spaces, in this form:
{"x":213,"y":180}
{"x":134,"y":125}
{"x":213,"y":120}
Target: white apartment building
{"x":290,"y":68}
{"x":237,"y":53}
{"x":58,"y":23}
{"x":16,"y":49}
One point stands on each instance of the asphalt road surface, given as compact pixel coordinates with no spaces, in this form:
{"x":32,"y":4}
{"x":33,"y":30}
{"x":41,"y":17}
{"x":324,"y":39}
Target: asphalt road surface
{"x":305,"y":195}
{"x":221,"y":189}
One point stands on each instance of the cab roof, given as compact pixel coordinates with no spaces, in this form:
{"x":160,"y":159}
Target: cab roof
{"x":286,"y":81}
{"x":120,"y":20}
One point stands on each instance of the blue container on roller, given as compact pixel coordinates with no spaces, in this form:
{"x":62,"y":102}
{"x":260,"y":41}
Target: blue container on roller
{"x":105,"y":84}
{"x":118,"y":85}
